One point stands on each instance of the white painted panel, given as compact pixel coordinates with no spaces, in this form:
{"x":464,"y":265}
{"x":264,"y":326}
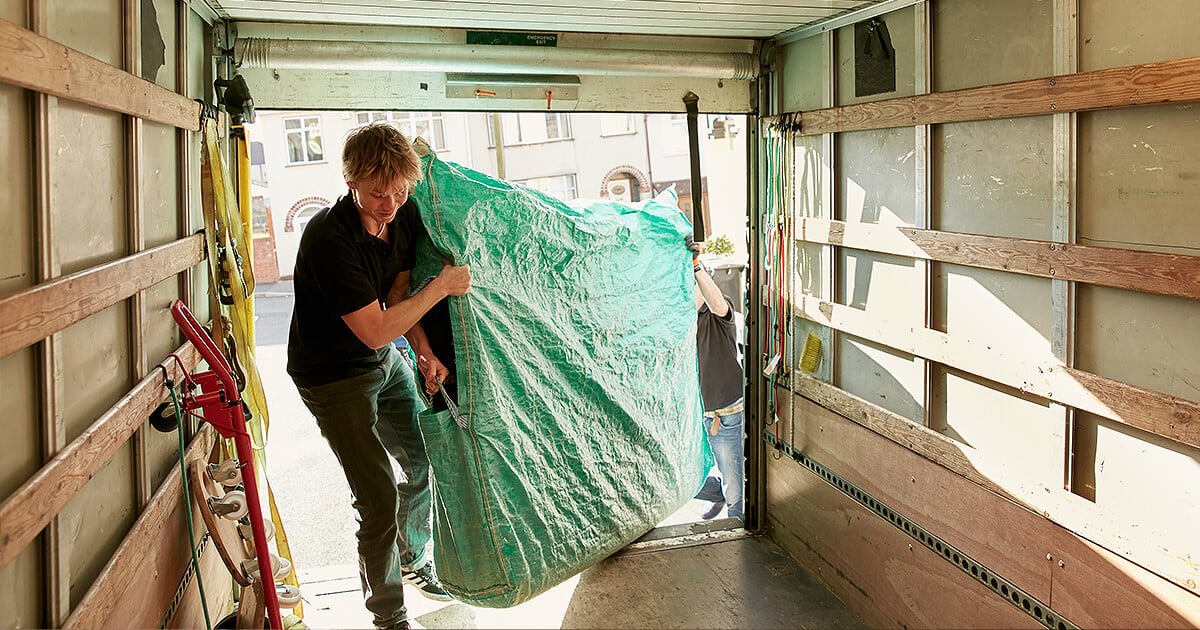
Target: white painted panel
{"x":87,"y":184}
{"x":160,"y":189}
{"x":1152,"y":480}
{"x":1147,"y":340}
{"x":1116,"y":33}
{"x":890,"y":379}
{"x":804,"y":72}
{"x":994,"y":308}
{"x":983,"y":43}
{"x":902,"y":31}
{"x":877,"y":176}
{"x":1012,"y":435}
{"x":93,"y":28}
{"x":161,"y":337}
{"x":95,"y":367}
{"x":21,"y":598}
{"x":1139,"y":178}
{"x":994,"y":177}
{"x":300,"y":89}
{"x":158,"y":45}
{"x":16,"y":195}
{"x":20,"y":458}
{"x":96,"y":520}
{"x":19,"y":411}
{"x":15,"y":11}
{"x":890,"y":287}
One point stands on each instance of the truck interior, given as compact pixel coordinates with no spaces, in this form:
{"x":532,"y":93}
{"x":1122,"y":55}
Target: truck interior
{"x":970,"y":302}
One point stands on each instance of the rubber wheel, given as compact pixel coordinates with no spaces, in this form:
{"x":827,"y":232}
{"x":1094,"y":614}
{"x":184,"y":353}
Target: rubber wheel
{"x":237,"y":499}
{"x":285,"y":567}
{"x":289,"y":596}
{"x":228,"y":473}
{"x":251,"y":565}
{"x":163,"y":419}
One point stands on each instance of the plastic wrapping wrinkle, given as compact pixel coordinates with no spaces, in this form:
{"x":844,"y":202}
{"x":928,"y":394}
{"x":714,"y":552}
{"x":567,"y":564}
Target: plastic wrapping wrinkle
{"x":575,"y":358}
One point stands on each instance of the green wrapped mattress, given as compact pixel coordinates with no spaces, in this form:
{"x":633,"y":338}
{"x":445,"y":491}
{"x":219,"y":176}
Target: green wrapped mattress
{"x":575,"y":360}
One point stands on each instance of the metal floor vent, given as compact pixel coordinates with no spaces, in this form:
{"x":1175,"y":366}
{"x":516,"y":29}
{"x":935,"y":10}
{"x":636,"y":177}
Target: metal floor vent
{"x":972,"y":567}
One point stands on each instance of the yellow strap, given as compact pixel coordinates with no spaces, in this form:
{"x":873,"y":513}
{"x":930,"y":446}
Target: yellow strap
{"x":234,"y":262}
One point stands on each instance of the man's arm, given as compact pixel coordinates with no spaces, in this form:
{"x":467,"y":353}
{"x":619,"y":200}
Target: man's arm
{"x":376,"y":327}
{"x":431,"y":368}
{"x":710,"y":292}
{"x":711,"y":295}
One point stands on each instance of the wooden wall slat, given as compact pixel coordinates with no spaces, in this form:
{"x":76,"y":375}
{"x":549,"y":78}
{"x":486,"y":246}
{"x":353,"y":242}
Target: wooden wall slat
{"x":36,"y":313}
{"x":1176,"y":81}
{"x":1077,"y":515}
{"x":127,"y":570}
{"x":1158,"y":413}
{"x":27,"y":511}
{"x":1148,"y":272}
{"x":38,"y":63}
{"x":965,"y":514}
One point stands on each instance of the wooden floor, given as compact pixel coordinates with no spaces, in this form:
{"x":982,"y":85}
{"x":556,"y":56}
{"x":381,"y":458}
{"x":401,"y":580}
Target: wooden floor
{"x":736,"y":582}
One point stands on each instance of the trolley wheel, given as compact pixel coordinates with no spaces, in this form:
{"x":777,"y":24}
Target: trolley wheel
{"x":285,"y":567}
{"x":228,"y":473}
{"x":251,"y":566}
{"x":247,"y":531}
{"x":289,"y":596}
{"x":163,"y":418}
{"x":231,"y":506}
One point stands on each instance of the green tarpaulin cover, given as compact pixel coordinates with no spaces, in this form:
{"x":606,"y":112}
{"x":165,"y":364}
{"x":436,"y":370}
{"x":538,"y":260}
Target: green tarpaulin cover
{"x":575,"y":354}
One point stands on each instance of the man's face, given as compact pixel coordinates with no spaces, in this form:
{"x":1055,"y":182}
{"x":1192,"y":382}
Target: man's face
{"x":380,"y":201}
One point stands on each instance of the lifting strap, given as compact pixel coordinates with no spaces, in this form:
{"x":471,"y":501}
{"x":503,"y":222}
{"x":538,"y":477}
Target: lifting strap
{"x":227,"y":238}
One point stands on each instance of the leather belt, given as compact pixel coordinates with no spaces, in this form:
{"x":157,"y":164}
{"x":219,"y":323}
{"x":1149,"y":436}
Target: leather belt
{"x":736,"y":407}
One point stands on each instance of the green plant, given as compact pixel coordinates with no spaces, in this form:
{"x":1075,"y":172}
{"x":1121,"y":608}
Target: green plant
{"x":718,"y":245}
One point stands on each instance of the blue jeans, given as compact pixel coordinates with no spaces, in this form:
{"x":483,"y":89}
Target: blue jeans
{"x":366,"y":419}
{"x":728,"y":447}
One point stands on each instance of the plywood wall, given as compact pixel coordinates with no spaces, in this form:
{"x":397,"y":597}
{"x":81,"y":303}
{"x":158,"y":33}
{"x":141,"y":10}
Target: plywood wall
{"x":1118,"y":178}
{"x":107,"y":186}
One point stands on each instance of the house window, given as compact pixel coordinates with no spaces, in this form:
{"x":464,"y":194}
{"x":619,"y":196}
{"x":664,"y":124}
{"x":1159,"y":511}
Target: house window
{"x":530,"y":128}
{"x":304,"y":216}
{"x":428,"y":125}
{"x":616,"y":124}
{"x":304,"y":139}
{"x":561,"y":187}
{"x":675,"y":141}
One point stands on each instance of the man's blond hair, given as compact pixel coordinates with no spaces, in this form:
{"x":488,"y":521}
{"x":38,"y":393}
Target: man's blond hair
{"x":380,"y":154}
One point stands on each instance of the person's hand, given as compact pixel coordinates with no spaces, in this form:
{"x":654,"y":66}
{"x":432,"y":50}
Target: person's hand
{"x":432,"y":371}
{"x":695,"y":248}
{"x":455,"y":280}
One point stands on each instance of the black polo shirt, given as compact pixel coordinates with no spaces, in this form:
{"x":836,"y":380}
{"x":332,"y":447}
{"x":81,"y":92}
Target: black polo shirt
{"x":716,"y":347}
{"x":341,"y":268}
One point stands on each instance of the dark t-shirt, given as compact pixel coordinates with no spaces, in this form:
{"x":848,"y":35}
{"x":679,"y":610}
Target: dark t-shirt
{"x":716,"y":346}
{"x":340,"y":268}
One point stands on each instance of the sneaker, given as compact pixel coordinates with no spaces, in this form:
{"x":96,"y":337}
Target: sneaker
{"x":426,"y":581}
{"x":713,"y":511}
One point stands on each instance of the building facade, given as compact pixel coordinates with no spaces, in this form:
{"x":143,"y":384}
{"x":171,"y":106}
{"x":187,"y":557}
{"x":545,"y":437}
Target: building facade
{"x":297,"y":169}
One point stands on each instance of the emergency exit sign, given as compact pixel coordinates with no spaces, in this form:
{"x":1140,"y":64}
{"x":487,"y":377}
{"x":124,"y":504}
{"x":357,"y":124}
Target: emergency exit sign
{"x":510,"y":38}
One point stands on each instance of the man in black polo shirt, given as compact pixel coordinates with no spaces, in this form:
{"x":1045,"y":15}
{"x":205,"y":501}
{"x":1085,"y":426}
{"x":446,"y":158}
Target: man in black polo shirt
{"x":720,"y":390}
{"x":352,"y":300}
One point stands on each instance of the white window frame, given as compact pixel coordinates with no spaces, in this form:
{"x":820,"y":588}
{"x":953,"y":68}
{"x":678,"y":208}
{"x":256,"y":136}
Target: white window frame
{"x":610,"y":123}
{"x":530,"y":128}
{"x":308,"y":124}
{"x":549,"y":185}
{"x":407,"y":122}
